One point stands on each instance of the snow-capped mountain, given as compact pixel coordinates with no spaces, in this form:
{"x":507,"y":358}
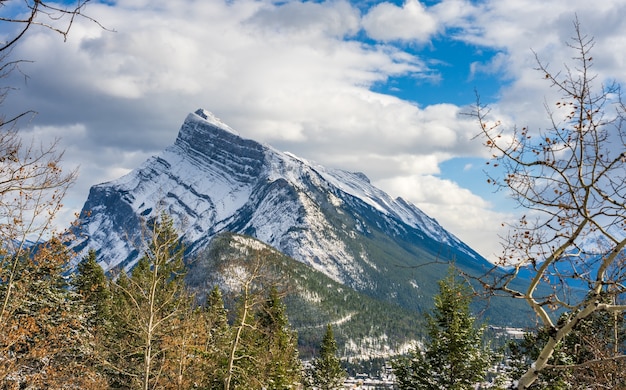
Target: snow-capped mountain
{"x":211,"y":180}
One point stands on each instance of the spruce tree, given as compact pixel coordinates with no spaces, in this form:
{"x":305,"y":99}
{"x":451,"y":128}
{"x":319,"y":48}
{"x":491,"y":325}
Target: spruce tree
{"x":326,"y":372}
{"x":282,"y":367}
{"x":454,"y":357}
{"x":216,"y":340}
{"x":44,"y":340}
{"x":216,"y":317}
{"x":92,"y":285}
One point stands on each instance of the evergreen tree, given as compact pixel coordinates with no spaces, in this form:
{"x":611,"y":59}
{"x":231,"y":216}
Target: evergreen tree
{"x":92,"y":285}
{"x":216,"y":317}
{"x":120,"y":345}
{"x":217,"y":340}
{"x":454,"y":356}
{"x":282,"y":368}
{"x":44,"y":340}
{"x":326,"y":372}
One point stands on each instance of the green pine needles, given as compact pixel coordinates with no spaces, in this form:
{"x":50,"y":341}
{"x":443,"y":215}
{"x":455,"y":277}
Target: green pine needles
{"x":454,"y":357}
{"x":326,"y":372}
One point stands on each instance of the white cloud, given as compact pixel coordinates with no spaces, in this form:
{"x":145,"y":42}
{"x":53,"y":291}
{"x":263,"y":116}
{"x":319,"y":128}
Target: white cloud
{"x":496,"y":65}
{"x":309,"y":20}
{"x":454,"y":12}
{"x":290,"y":75}
{"x":457,"y":209}
{"x":293,"y":74}
{"x":411,"y":22}
{"x":280,"y":74}
{"x":524,"y":27}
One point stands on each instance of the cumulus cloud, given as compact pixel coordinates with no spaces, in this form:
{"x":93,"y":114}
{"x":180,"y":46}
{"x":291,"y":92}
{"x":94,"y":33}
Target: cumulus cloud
{"x":525,"y":28}
{"x":460,"y":211}
{"x":299,"y":75}
{"x":309,"y":20}
{"x":411,"y":22}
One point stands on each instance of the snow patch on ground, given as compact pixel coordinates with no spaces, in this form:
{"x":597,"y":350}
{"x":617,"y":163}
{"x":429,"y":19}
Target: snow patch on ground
{"x":369,"y":347}
{"x":310,"y":296}
{"x":343,"y":320}
{"x":233,"y":278}
{"x":248,"y":242}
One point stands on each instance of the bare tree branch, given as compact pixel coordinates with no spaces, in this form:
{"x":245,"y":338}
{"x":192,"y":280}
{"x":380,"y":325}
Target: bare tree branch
{"x":571,"y":178}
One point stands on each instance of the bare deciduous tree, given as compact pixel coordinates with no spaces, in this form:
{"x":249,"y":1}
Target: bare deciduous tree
{"x":571,"y":179}
{"x":148,"y":305}
{"x":250,"y":298}
{"x":32,"y":186}
{"x":32,"y":183}
{"x":26,"y":14}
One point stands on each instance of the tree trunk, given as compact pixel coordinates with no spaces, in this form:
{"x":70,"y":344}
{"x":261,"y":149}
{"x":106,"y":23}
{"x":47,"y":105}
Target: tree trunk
{"x":233,"y":349}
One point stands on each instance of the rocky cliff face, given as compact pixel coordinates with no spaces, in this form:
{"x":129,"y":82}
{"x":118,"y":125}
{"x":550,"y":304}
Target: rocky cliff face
{"x":212,"y":180}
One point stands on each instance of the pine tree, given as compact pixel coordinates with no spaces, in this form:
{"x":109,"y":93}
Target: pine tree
{"x":216,"y":317}
{"x":92,"y":288}
{"x":92,"y":285}
{"x":326,"y":372}
{"x":282,"y":367}
{"x":120,"y":345}
{"x":214,"y":348}
{"x":454,"y":357}
{"x":44,"y":340}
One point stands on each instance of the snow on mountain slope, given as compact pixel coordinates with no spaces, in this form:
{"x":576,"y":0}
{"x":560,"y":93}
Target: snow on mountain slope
{"x":359,"y":186}
{"x":212,"y":180}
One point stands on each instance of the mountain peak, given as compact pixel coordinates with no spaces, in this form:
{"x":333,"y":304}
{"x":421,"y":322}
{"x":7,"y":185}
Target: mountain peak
{"x":212,"y":181}
{"x":214,"y":145}
{"x":210,"y":118}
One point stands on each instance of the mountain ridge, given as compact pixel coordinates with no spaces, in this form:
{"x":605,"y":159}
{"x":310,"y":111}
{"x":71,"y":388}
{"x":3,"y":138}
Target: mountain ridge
{"x":211,"y":180}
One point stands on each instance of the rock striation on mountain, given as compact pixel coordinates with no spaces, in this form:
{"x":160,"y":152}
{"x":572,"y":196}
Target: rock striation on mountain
{"x":211,"y":180}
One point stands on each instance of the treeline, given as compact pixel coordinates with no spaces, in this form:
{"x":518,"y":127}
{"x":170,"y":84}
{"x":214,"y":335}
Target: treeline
{"x":143,"y":330}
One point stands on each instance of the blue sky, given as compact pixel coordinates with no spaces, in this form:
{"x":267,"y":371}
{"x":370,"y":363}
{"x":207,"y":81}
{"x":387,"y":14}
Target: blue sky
{"x":379,"y":87}
{"x":451,"y":79}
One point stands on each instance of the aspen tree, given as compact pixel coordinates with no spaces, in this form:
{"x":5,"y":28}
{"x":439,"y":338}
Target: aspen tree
{"x":147,"y":305}
{"x":570,"y":178}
